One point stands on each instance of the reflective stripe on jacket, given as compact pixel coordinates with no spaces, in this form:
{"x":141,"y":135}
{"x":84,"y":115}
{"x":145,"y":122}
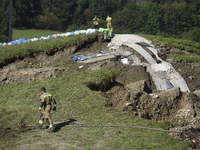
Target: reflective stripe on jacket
{"x":96,"y":21}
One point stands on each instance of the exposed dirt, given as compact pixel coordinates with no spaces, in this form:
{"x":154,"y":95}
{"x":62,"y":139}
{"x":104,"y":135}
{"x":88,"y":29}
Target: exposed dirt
{"x":159,"y":106}
{"x":188,"y":70}
{"x":47,"y":64}
{"x":9,"y":132}
{"x":133,"y":91}
{"x":192,"y":135}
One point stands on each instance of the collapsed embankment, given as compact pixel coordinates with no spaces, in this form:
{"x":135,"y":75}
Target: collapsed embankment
{"x":59,"y":61}
{"x":133,"y":91}
{"x":47,"y":64}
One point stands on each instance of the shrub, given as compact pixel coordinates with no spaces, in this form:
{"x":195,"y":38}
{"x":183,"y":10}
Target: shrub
{"x":72,"y":27}
{"x":3,"y":38}
{"x":163,"y":34}
{"x":102,"y":23}
{"x":193,"y":34}
{"x":4,"y":21}
{"x":48,"y":21}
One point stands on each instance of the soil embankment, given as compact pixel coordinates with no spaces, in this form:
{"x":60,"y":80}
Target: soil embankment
{"x":134,"y":90}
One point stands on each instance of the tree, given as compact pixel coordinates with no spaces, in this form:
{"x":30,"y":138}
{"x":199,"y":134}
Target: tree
{"x":4,"y":20}
{"x":177,"y":18}
{"x":79,"y":18}
{"x":48,"y":21}
{"x":129,"y":19}
{"x":153,"y":18}
{"x":21,"y":13}
{"x":64,"y":10}
{"x":193,"y":34}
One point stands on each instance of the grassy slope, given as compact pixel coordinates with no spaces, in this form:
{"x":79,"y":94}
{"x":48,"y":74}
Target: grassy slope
{"x":7,"y":52}
{"x":183,"y":44}
{"x":187,"y":45}
{"x":28,"y":34}
{"x":76,"y":101}
{"x":193,"y":59}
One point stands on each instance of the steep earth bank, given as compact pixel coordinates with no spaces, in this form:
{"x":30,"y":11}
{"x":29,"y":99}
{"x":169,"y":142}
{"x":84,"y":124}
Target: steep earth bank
{"x":133,"y":91}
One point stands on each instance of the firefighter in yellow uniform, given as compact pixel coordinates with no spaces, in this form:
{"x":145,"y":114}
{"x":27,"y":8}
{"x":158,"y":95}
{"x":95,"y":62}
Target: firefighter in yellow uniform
{"x":46,"y":101}
{"x":96,"y":22}
{"x":109,"y":23}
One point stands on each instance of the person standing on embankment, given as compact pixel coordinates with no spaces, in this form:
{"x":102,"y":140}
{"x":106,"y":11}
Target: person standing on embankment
{"x":109,"y":23}
{"x":96,"y":22}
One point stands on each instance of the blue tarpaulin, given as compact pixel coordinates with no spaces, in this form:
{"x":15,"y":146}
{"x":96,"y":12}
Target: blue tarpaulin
{"x":83,"y":58}
{"x":76,"y":57}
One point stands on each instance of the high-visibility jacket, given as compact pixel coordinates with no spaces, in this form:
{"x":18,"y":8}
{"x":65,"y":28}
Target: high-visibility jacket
{"x":46,"y":101}
{"x":96,"y":21}
{"x":109,"y":23}
{"x":109,"y":20}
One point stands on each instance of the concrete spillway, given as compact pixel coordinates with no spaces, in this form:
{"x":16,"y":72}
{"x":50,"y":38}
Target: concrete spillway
{"x":164,"y":75}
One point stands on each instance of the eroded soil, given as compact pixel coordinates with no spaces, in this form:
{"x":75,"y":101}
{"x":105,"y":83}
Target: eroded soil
{"x":133,"y":91}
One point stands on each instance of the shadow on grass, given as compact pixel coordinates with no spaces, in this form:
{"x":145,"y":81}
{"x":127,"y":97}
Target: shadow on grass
{"x":60,"y":125}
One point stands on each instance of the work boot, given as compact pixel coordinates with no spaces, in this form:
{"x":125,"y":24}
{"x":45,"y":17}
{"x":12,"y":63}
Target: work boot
{"x":50,"y":131}
{"x":39,"y":127}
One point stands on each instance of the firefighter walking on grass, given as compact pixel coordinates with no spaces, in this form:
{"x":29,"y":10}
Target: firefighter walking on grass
{"x":46,"y":101}
{"x":109,"y":23}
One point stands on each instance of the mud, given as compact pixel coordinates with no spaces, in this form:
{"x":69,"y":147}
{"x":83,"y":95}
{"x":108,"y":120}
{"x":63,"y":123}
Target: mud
{"x":134,"y":90}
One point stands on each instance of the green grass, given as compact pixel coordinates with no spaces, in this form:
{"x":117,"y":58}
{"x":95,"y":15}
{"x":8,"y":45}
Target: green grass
{"x":182,"y":44}
{"x":178,"y":57}
{"x":76,"y":101}
{"x":61,"y":63}
{"x":28,"y":34}
{"x":7,"y":52}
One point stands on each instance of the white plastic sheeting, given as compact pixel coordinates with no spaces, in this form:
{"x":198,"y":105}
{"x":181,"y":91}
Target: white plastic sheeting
{"x":82,"y":58}
{"x":142,"y":52}
{"x":164,"y":75}
{"x":76,"y":32}
{"x":125,"y":61}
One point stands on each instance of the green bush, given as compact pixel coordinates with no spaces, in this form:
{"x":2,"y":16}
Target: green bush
{"x":163,"y":34}
{"x":3,"y":38}
{"x":102,"y":23}
{"x":72,"y":27}
{"x":4,"y":21}
{"x":48,"y":21}
{"x":193,"y":34}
